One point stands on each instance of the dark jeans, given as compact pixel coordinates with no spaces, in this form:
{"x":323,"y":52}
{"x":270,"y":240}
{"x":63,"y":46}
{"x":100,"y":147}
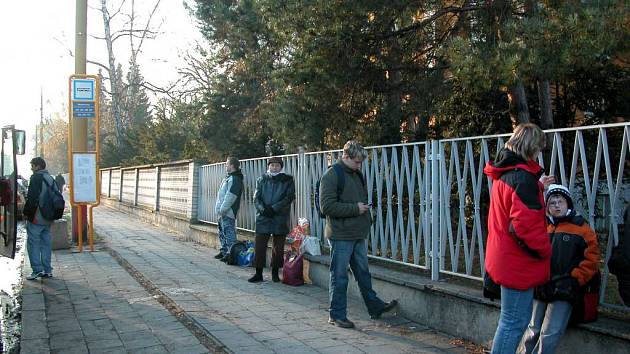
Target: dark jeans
{"x":277,"y":251}
{"x":353,"y":253}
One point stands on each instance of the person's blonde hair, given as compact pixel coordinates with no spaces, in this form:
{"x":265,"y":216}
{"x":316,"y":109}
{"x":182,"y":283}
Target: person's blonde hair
{"x":353,"y":149}
{"x":526,"y":141}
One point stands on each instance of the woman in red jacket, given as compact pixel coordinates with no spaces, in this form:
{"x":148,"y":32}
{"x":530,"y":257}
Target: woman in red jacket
{"x":518,"y":248}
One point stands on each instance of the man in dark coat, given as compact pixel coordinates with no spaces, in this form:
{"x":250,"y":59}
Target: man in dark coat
{"x":275,"y":191}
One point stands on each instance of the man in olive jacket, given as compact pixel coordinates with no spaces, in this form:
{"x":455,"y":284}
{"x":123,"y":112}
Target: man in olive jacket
{"x":348,"y":220}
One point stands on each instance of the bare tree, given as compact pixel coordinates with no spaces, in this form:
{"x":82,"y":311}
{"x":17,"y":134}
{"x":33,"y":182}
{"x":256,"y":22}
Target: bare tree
{"x":137,"y":37}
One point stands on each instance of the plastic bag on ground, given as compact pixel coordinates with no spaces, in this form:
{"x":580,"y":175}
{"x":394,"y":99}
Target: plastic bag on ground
{"x":311,"y":246}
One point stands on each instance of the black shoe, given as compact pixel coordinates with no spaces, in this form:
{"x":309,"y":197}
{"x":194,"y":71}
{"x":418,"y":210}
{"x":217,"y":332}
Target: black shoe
{"x":341,"y":323}
{"x":47,"y":275}
{"x":274,"y":275}
{"x":34,"y":276}
{"x":388,"y":307}
{"x":257,"y":278}
{"x":225,"y":258}
{"x":219,"y":255}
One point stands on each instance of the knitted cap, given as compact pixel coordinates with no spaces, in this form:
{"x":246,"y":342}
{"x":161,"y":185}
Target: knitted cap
{"x":275,"y":159}
{"x":561,"y":190}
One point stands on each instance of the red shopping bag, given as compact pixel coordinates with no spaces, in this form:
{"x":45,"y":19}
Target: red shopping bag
{"x":292,"y":269}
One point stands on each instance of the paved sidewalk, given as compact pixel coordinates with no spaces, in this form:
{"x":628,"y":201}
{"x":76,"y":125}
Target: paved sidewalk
{"x":94,"y":304}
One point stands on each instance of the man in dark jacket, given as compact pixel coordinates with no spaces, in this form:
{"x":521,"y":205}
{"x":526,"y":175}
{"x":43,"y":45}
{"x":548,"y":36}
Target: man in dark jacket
{"x":38,"y":242}
{"x":275,"y":191}
{"x":347,"y":227}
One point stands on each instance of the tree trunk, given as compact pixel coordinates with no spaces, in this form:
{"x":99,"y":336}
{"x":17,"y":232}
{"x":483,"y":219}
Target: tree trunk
{"x":392,"y":115}
{"x":114,"y":80}
{"x":544,"y":98}
{"x":518,"y":103}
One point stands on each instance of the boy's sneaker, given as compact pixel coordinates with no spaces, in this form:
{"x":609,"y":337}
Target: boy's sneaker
{"x":34,"y":276}
{"x":47,"y":275}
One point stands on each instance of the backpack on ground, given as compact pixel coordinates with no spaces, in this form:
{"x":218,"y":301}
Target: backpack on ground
{"x":234,"y":251}
{"x":51,"y":204}
{"x":341,"y":182}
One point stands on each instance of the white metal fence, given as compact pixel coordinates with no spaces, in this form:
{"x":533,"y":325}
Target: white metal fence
{"x":430,"y":198}
{"x":211,"y":176}
{"x":167,"y":187}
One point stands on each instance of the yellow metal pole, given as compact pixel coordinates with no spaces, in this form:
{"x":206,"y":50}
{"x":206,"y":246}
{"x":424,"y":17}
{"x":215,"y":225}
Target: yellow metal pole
{"x":79,"y":126}
{"x":91,"y":230}
{"x":80,"y":232}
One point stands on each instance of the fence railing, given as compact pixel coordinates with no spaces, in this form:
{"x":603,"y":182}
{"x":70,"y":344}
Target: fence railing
{"x":430,"y":199}
{"x":170,"y":187}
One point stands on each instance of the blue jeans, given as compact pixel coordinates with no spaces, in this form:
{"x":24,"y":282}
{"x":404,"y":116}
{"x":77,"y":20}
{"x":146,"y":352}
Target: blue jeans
{"x":38,"y":247}
{"x":353,"y":253}
{"x":227,"y":233}
{"x":548,"y":323}
{"x":516,"y":310}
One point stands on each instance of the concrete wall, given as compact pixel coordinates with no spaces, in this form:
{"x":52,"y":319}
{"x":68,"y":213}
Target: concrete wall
{"x":458,"y":310}
{"x":205,"y":234}
{"x":461,"y":311}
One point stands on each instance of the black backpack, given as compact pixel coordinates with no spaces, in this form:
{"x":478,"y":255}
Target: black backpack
{"x":341,"y":182}
{"x":52,"y":204}
{"x":234,"y":251}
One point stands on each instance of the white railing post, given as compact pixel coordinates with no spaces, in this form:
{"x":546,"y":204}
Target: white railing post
{"x":120,"y":186}
{"x":135,"y":188}
{"x":109,"y":185}
{"x":193,"y":190}
{"x":156,"y":204}
{"x":302,"y":189}
{"x":435,"y":210}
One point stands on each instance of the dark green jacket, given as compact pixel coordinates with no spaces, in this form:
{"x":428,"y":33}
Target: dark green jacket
{"x":276,"y":192}
{"x":343,"y":220}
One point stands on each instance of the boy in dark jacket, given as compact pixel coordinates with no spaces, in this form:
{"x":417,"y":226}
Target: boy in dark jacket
{"x":574,"y":261}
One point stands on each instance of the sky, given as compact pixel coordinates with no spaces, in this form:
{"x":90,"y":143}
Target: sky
{"x":36,"y":37}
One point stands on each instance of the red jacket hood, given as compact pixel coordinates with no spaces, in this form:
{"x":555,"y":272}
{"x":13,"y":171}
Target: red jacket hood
{"x":508,"y":161}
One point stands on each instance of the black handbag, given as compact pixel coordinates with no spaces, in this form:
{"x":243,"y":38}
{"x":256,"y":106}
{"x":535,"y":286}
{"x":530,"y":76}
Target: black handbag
{"x":559,"y":288}
{"x":491,"y":290}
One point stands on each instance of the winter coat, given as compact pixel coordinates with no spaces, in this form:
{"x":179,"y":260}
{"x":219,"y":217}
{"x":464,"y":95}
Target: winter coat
{"x":619,"y":263}
{"x":343,"y":219}
{"x":229,"y":195}
{"x":574,"y":260}
{"x":518,"y":248}
{"x":276,"y":192}
{"x":36,"y":191}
